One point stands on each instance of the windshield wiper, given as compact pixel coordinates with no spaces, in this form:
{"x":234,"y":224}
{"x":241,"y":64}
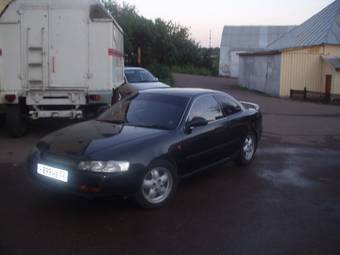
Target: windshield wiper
{"x":112,"y":121}
{"x":156,"y":126}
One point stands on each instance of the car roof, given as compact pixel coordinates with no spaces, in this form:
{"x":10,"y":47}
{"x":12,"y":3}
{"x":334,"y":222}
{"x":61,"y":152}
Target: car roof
{"x":184,"y":92}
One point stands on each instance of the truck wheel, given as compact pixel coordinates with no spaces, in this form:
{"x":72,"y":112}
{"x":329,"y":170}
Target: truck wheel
{"x":15,"y":123}
{"x":2,"y":119}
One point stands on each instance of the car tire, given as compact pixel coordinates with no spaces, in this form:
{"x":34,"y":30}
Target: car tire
{"x":2,"y":119}
{"x":248,"y":150}
{"x":159,"y":185}
{"x":16,"y":125}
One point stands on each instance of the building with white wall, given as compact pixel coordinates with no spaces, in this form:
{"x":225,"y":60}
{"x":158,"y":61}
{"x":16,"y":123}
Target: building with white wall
{"x":237,"y":39}
{"x":306,"y":58}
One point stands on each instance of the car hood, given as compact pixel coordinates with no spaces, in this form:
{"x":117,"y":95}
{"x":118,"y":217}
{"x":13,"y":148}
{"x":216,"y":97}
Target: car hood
{"x":149,"y":85}
{"x":90,"y":137}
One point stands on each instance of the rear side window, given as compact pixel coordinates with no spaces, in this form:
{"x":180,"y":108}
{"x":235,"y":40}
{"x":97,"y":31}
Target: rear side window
{"x":146,"y":76}
{"x":206,"y":107}
{"x":132,"y":76}
{"x":139,"y":76}
{"x":228,"y":104}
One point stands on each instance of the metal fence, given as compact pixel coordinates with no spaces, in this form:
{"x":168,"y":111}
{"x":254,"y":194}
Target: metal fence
{"x":313,"y":96}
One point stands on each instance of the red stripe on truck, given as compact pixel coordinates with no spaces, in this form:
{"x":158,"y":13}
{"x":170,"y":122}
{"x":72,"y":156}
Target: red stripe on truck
{"x":116,"y":53}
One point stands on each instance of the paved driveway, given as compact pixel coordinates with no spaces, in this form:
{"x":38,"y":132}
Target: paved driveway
{"x":286,"y":202}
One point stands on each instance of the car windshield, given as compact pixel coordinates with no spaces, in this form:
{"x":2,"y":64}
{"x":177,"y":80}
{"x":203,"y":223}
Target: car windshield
{"x":148,"y":110}
{"x":139,"y":75}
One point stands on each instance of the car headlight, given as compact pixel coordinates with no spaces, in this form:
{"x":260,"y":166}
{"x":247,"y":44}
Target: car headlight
{"x":104,"y":166}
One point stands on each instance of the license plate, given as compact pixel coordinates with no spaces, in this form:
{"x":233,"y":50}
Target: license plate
{"x":54,"y":173}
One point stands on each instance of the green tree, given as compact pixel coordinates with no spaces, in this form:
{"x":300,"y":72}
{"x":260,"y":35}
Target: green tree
{"x":161,"y":42}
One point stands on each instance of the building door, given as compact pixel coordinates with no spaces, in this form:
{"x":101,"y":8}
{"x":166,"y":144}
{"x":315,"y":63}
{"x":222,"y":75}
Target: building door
{"x":328,"y":87}
{"x":234,"y":63}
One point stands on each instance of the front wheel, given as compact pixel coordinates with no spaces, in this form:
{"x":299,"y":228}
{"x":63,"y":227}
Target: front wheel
{"x":159,"y":185}
{"x":248,"y":150}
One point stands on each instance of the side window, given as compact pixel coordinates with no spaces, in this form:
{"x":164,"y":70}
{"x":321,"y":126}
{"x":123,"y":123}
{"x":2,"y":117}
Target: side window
{"x":132,"y":75}
{"x":206,"y":107}
{"x":146,"y":76}
{"x":229,"y":105}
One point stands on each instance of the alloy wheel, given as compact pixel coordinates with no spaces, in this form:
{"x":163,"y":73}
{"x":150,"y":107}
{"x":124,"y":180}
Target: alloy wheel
{"x":157,"y":185}
{"x":249,"y":147}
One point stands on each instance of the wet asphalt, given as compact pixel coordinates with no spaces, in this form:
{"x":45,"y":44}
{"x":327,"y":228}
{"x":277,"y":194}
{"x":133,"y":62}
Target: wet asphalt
{"x":286,"y":202}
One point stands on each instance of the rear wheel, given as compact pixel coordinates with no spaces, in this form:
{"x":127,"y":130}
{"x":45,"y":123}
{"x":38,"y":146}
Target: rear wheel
{"x":248,"y":150}
{"x":16,"y":125}
{"x":2,"y":119}
{"x":159,"y":185}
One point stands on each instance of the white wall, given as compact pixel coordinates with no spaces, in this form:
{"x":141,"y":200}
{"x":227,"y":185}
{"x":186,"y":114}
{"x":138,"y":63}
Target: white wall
{"x":10,"y":59}
{"x":261,"y":73}
{"x":76,"y":49}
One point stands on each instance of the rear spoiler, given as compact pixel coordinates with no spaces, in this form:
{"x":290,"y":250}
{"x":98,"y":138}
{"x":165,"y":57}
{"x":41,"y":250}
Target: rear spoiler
{"x":251,"y":106}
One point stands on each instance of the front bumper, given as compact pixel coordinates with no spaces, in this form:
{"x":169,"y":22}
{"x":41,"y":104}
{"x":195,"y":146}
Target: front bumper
{"x":87,"y":184}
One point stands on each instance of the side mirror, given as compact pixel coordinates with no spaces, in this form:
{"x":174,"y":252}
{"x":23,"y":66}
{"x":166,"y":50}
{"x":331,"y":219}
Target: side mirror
{"x":196,"y":122}
{"x":156,"y":79}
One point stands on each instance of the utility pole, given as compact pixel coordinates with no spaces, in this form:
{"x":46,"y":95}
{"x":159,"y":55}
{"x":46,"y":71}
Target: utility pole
{"x":210,"y":39}
{"x":139,"y":56}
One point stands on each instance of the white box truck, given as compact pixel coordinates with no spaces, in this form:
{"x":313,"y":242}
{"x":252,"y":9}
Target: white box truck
{"x":58,"y":59}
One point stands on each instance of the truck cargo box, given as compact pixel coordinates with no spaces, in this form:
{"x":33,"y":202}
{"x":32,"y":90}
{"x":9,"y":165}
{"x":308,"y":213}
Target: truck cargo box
{"x":58,"y":53}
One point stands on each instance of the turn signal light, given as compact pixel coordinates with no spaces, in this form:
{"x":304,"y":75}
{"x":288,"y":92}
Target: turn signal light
{"x":95,"y":98}
{"x":10,"y":98}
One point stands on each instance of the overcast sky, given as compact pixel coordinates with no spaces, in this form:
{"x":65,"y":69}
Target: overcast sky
{"x":201,"y":16}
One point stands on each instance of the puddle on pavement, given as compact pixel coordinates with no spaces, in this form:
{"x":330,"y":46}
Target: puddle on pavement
{"x":290,"y":176}
{"x":299,"y":151}
{"x":288,"y":165}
